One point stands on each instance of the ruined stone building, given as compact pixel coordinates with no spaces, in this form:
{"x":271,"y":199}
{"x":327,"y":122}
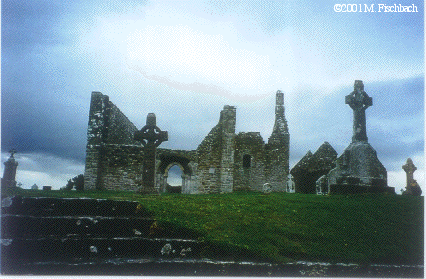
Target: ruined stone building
{"x":312,"y":166}
{"x":223,"y":162}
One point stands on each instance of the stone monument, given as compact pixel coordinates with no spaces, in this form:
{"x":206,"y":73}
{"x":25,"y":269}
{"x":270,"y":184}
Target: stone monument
{"x":151,"y":137}
{"x":358,"y":169}
{"x":412,"y":187}
{"x":9,"y":174}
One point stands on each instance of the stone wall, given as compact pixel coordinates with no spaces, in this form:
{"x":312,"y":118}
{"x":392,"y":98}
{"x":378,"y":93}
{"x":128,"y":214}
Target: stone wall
{"x":311,"y":167}
{"x":107,"y":126}
{"x":250,"y":162}
{"x":121,"y":167}
{"x":222,"y":163}
{"x":216,"y":155}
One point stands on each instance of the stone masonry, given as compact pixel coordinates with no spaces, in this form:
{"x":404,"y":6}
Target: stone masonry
{"x":223,"y":162}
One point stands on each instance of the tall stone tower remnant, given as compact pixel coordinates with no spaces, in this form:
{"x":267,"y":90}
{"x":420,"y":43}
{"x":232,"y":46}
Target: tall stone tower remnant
{"x":358,"y":169}
{"x":278,"y":147}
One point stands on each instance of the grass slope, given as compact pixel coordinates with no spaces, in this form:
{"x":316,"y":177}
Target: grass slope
{"x":285,"y":227}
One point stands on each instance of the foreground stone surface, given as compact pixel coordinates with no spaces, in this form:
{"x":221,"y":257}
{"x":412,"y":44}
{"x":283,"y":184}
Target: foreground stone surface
{"x":53,"y":236}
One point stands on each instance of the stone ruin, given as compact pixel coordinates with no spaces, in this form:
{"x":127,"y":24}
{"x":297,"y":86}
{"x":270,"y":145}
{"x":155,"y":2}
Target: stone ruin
{"x":311,"y":167}
{"x":117,"y":157}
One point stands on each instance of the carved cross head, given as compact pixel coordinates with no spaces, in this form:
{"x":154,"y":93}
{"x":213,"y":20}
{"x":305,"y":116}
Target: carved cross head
{"x":409,"y":167}
{"x":12,"y":152}
{"x":150,"y":134}
{"x":358,"y":99}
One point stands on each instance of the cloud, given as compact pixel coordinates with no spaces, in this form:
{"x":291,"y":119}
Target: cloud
{"x":44,"y":169}
{"x":191,"y":57}
{"x":29,"y":23}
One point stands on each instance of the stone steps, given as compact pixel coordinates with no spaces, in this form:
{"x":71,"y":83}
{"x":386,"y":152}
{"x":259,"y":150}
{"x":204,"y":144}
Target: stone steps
{"x":22,"y":226}
{"x":39,"y":231}
{"x":43,"y":206}
{"x":25,"y":250}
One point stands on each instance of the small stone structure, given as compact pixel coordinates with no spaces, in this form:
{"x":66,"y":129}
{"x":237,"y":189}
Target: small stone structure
{"x":412,"y":187}
{"x":312,"y":166}
{"x":358,"y":169}
{"x":9,"y":174}
{"x":223,"y":162}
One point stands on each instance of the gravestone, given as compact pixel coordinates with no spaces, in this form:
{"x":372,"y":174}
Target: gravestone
{"x":321,"y":185}
{"x":267,"y":188}
{"x":412,"y":187}
{"x":358,"y":169}
{"x":151,"y":137}
{"x":290,"y":184}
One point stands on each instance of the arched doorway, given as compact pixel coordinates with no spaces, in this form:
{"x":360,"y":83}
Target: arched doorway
{"x":174,"y":179}
{"x":178,"y":168}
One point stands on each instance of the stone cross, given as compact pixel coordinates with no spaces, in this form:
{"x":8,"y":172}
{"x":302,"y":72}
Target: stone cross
{"x":151,"y":137}
{"x":409,"y":169}
{"x":12,"y":152}
{"x":359,"y":101}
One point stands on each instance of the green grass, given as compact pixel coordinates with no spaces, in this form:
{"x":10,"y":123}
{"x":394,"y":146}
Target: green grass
{"x":284,"y":227}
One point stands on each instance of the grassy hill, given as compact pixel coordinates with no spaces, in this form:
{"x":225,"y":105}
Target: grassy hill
{"x":284,"y":227}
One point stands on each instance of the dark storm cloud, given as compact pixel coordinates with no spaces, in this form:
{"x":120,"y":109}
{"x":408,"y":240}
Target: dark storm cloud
{"x":33,"y":123}
{"x":26,"y":23}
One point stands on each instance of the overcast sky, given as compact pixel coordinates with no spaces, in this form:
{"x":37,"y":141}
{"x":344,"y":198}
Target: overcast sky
{"x":185,"y":60}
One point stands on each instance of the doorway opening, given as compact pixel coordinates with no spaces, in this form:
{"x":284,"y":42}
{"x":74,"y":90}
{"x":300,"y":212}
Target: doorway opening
{"x":174,"y":180}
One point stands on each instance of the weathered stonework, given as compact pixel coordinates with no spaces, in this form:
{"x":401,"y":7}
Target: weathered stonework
{"x":224,"y":162}
{"x":311,"y":167}
{"x":277,"y":149}
{"x":412,"y":188}
{"x":250,"y":163}
{"x":358,"y":169}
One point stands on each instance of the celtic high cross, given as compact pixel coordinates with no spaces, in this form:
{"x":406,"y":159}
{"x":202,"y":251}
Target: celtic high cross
{"x":151,"y":137}
{"x":409,"y":169}
{"x":359,"y":101}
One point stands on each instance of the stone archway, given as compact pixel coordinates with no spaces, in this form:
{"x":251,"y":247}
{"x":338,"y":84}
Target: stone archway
{"x":167,"y":161}
{"x":174,"y":181}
